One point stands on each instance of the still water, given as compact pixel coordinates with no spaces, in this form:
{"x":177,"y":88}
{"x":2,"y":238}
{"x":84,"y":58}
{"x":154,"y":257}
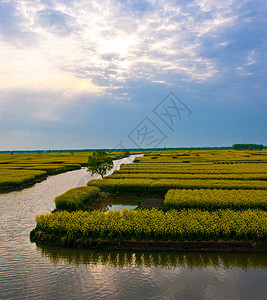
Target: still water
{"x":28,"y":271}
{"x":123,"y":201}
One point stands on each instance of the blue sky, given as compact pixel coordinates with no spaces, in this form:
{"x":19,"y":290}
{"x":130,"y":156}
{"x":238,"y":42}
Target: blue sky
{"x":89,"y":74}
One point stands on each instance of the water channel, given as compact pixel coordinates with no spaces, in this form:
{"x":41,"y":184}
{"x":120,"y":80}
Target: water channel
{"x":28,"y":271}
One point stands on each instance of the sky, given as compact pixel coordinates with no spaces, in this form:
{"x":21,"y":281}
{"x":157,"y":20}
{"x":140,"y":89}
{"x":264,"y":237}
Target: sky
{"x":77,"y":74}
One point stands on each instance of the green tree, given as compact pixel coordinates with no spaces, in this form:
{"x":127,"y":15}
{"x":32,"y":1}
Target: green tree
{"x":126,"y":153}
{"x":99,"y":163}
{"x":247,"y":147}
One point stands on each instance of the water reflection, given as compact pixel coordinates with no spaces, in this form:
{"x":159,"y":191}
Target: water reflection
{"x":23,"y":273}
{"x":120,"y":203}
{"x":124,"y":200}
{"x":58,"y":255}
{"x":119,"y":207}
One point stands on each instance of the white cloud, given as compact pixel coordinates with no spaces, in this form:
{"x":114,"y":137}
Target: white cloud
{"x":92,"y":39}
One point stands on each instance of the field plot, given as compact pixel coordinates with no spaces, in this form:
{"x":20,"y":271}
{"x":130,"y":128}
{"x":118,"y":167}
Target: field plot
{"x":161,"y":171}
{"x":210,"y":196}
{"x":18,"y":170}
{"x":163,"y":185}
{"x":156,"y":225}
{"x":216,"y":199}
{"x":77,"y":198}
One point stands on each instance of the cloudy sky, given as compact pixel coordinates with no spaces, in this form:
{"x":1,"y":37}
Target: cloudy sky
{"x":98,"y":74}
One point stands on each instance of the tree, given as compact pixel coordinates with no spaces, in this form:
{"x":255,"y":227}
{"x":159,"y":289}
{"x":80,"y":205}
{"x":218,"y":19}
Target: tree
{"x":247,"y":147}
{"x":99,"y":163}
{"x":126,"y":153}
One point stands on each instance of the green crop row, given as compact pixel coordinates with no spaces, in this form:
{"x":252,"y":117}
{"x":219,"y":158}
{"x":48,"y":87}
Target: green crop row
{"x":188,"y":171}
{"x":174,"y":171}
{"x":117,"y":175}
{"x":163,"y":185}
{"x":50,"y":158}
{"x":216,"y":199}
{"x":207,"y":156}
{"x":77,"y":198}
{"x":156,"y":225}
{"x":23,"y":167}
{"x":19,"y":175}
{"x":176,"y":166}
{"x":236,"y":168}
{"x":16,"y":178}
{"x":45,"y":158}
{"x":55,"y":169}
{"x":50,"y":169}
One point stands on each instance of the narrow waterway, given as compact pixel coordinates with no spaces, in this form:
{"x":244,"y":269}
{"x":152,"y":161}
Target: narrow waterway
{"x":31,"y":272}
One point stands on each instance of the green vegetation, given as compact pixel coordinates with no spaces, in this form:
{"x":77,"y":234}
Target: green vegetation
{"x":247,"y":146}
{"x":164,"y":170}
{"x":99,"y":163}
{"x":77,"y":198}
{"x":10,"y":179}
{"x":211,"y":195}
{"x":216,"y":199}
{"x":191,"y":225}
{"x":139,"y":175}
{"x":163,"y":185}
{"x":18,"y":170}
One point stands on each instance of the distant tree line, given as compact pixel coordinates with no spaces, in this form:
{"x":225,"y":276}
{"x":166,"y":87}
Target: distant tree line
{"x":72,"y":151}
{"x":247,"y":147}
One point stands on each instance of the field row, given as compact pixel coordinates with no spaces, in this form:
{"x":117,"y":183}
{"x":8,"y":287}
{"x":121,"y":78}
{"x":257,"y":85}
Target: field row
{"x":49,"y":158}
{"x":119,"y":175}
{"x":11,"y":178}
{"x":20,"y":177}
{"x":18,"y":170}
{"x":190,"y":160}
{"x":163,"y":185}
{"x":156,"y":225}
{"x":176,"y":166}
{"x":216,"y":199}
{"x":77,"y":198}
{"x":205,"y":156}
{"x":238,"y":168}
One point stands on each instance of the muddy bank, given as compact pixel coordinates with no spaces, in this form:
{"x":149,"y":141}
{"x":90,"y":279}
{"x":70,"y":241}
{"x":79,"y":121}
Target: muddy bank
{"x":152,"y":202}
{"x":40,"y":237}
{"x":141,"y":200}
